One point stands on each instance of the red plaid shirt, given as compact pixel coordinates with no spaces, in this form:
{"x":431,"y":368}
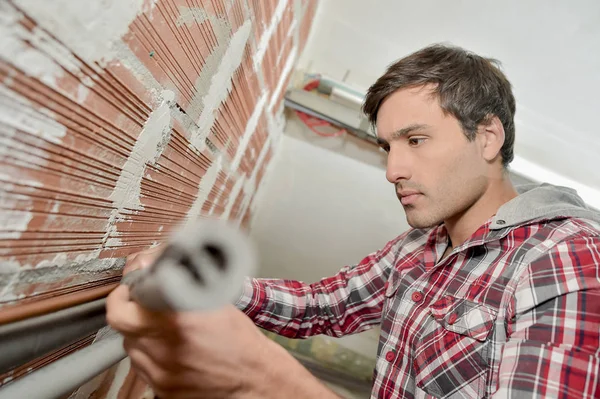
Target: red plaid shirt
{"x":513,"y":312}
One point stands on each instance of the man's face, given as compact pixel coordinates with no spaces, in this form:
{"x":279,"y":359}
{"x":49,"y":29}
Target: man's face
{"x":437,"y":172}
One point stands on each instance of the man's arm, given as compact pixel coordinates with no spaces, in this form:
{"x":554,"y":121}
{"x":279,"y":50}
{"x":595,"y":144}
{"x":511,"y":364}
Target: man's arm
{"x":554,"y":338}
{"x":216,"y":354}
{"x":346,"y":303}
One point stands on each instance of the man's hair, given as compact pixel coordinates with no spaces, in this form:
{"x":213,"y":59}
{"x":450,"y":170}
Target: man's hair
{"x":471,"y":88}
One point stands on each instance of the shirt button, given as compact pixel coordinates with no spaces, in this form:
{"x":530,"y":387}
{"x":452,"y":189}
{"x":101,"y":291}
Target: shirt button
{"x":500,"y":221}
{"x":417,"y":296}
{"x":452,"y":318}
{"x":390,"y":356}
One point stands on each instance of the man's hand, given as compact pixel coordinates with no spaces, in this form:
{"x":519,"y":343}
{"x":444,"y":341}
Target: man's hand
{"x":185,"y":355}
{"x":217,"y":354}
{"x":143,"y":259}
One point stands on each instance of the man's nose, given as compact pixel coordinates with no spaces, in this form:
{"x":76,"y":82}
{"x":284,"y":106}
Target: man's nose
{"x":398,"y":167}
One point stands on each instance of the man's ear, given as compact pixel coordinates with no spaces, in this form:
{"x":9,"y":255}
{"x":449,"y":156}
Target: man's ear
{"x":492,"y":136}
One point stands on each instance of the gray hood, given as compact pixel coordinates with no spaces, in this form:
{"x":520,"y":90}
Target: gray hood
{"x":542,"y":201}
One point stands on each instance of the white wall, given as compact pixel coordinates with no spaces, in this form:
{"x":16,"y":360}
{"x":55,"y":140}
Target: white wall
{"x":324,"y":203}
{"x":320,"y":209}
{"x":550,"y":51}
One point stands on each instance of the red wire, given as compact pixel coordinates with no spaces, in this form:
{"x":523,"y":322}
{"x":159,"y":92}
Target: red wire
{"x":312,"y":122}
{"x":313,"y":84}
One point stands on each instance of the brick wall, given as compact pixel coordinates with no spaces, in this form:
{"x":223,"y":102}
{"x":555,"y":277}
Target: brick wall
{"x":120,"y":120}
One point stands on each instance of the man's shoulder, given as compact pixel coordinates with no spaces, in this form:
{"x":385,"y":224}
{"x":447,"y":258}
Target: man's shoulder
{"x":545,"y":235}
{"x":566,"y":261}
{"x":568,"y":236}
{"x":585,"y":227}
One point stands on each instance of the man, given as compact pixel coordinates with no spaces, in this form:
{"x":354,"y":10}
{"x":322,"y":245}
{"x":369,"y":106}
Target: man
{"x":492,"y":291}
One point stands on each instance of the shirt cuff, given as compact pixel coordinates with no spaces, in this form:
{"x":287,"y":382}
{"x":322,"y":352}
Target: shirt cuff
{"x":245,"y":298}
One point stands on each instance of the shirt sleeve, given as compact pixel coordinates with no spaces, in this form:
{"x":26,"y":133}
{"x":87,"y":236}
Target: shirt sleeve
{"x":349,"y":302}
{"x":552,"y":350}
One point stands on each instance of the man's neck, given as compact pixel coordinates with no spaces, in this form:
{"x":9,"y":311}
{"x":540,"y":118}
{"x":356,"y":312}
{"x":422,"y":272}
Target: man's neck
{"x":462,"y":226}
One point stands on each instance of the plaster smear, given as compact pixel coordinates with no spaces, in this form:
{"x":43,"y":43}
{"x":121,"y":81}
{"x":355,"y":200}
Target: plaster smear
{"x":250,"y":185}
{"x":7,"y":137}
{"x":37,"y":53}
{"x":299,"y":11}
{"x":81,"y":262}
{"x":17,"y":116}
{"x":147,"y":149}
{"x":9,"y":277}
{"x":8,"y":267}
{"x":89,"y":28}
{"x":222,"y":30}
{"x":17,"y":113}
{"x":190,"y":15}
{"x":129,"y":60}
{"x":206,"y":184}
{"x":241,"y":150}
{"x":15,"y":50}
{"x":237,"y":187}
{"x":275,"y":126}
{"x":82,"y":92}
{"x":290,"y":33}
{"x":13,"y":274}
{"x":220,"y":84}
{"x":289,"y":64}
{"x":250,"y":128}
{"x":266,"y":36}
{"x":14,"y":222}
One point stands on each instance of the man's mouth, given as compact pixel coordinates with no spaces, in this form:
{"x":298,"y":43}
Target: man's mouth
{"x":408,"y":197}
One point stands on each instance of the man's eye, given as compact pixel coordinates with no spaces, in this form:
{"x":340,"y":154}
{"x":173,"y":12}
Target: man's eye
{"x":415,"y":141}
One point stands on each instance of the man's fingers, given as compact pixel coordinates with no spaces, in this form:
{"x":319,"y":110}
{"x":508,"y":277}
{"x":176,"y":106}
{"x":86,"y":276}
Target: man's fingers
{"x":143,"y":259}
{"x":159,"y":349}
{"x":119,"y":308}
{"x":129,"y":318}
{"x":118,"y":295}
{"x":135,"y":262}
{"x":160,"y":378}
{"x":140,"y":362}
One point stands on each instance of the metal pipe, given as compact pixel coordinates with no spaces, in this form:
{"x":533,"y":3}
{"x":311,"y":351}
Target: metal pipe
{"x":26,"y":340}
{"x":361,"y":134}
{"x":68,"y":373}
{"x":203,"y":267}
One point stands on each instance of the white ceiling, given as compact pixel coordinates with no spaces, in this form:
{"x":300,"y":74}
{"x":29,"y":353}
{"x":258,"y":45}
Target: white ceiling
{"x":550,"y":51}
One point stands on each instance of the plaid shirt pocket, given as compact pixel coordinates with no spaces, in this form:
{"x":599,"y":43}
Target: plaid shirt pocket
{"x":451,"y":356}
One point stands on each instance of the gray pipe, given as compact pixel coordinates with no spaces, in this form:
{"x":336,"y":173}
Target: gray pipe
{"x":361,"y":133}
{"x":202,"y":268}
{"x":68,"y":373}
{"x":26,"y":340}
